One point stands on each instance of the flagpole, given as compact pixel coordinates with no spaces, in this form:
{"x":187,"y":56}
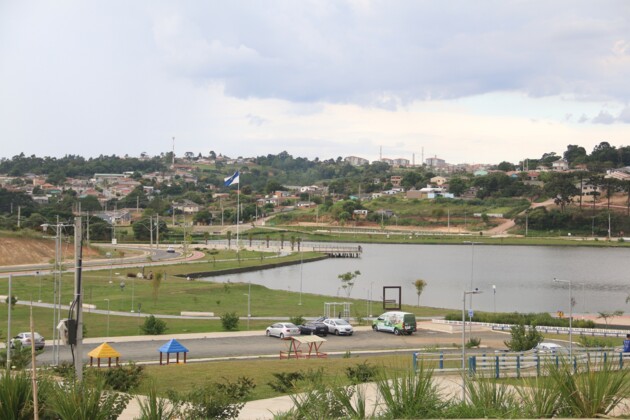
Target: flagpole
{"x":238,"y":207}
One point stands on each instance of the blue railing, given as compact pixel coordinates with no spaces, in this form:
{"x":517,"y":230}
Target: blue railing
{"x":504,"y":364}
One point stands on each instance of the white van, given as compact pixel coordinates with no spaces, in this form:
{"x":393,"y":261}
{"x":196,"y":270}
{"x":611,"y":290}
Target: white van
{"x":397,"y":322}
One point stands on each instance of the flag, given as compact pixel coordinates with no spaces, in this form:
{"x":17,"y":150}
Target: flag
{"x":231,"y":179}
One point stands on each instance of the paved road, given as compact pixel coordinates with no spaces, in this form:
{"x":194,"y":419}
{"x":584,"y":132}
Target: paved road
{"x":213,"y":346}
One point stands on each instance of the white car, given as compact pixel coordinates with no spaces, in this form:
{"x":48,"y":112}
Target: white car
{"x":546,"y":347}
{"x":25,"y":339}
{"x":282,"y":329}
{"x":338,"y":326}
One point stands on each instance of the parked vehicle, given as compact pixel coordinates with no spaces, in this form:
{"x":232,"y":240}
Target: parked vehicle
{"x":170,"y":250}
{"x":314,"y":328}
{"x":282,"y":329}
{"x":338,"y":326}
{"x":548,"y":347}
{"x":25,"y":339}
{"x":396,"y":322}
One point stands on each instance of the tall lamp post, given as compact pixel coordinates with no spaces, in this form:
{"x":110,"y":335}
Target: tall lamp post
{"x":133,"y":290}
{"x":301,"y":270}
{"x":469,"y":292}
{"x":107,"y":317}
{"x":570,"y":315}
{"x":494,"y":297}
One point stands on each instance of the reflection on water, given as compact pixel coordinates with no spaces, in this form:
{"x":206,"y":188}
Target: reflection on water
{"x":523,"y":276}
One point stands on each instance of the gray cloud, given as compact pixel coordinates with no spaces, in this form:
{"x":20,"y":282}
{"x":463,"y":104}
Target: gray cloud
{"x":356,"y":51}
{"x":604,"y":117}
{"x":255,"y":120}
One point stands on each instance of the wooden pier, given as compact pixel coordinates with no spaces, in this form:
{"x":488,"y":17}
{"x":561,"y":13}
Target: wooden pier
{"x":335,"y":251}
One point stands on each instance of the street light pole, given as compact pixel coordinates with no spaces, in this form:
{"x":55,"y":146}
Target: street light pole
{"x":570,"y":315}
{"x":133,"y":290}
{"x":107,"y":317}
{"x":301,"y":270}
{"x":469,"y":292}
{"x":494,"y":295}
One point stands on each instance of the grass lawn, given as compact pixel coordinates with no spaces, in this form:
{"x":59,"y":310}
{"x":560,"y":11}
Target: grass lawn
{"x":172,"y":295}
{"x":191,"y":375}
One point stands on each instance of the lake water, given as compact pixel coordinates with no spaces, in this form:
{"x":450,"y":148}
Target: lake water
{"x":522,"y":276}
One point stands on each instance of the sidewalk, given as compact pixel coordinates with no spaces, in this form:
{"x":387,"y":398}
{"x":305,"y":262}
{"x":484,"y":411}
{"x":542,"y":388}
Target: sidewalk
{"x":451,"y":387}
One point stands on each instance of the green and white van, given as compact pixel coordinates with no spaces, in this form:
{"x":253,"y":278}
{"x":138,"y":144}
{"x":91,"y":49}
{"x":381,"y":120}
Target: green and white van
{"x":396,"y":322}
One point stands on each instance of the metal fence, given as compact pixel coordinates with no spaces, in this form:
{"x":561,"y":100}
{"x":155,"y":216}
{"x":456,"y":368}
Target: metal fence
{"x":515,"y":364}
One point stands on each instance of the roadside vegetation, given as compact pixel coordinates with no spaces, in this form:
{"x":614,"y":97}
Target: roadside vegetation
{"x":332,"y":388}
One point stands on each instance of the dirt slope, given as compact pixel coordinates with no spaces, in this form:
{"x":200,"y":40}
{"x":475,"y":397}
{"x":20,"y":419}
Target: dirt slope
{"x":16,"y":251}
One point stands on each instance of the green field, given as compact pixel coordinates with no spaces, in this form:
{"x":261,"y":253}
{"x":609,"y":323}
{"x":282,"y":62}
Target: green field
{"x":172,"y":295}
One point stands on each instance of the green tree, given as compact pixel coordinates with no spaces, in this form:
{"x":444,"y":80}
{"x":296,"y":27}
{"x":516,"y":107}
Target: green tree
{"x":203,"y":217}
{"x":523,"y":339}
{"x":562,"y":189}
{"x":420,"y":285}
{"x":347,"y":280}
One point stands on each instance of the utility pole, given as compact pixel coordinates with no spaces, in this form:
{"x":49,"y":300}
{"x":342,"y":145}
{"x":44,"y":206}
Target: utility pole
{"x":157,"y":231}
{"x":9,"y":325}
{"x":78,"y":298}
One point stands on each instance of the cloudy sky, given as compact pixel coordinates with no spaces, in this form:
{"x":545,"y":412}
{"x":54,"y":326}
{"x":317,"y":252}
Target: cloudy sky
{"x":466,"y":81}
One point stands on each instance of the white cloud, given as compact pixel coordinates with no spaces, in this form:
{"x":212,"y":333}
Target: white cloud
{"x":469,"y":81}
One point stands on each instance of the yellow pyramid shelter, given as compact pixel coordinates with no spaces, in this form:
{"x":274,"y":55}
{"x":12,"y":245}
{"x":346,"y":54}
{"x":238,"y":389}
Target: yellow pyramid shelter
{"x":104,"y":351}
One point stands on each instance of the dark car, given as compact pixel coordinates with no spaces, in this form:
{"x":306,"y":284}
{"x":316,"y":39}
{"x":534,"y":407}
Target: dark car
{"x":314,"y":328}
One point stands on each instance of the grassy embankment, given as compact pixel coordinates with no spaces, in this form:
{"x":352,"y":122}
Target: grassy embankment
{"x":173,"y":295}
{"x":361,"y":235}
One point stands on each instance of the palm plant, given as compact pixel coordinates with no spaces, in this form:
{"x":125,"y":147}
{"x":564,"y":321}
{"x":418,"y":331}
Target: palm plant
{"x":16,"y":396}
{"x":154,"y":408}
{"x":410,"y":394}
{"x":491,"y":398}
{"x":539,"y":398}
{"x":79,"y":401}
{"x":593,"y":392}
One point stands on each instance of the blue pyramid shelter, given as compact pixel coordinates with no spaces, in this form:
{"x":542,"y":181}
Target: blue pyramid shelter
{"x":173,"y":346}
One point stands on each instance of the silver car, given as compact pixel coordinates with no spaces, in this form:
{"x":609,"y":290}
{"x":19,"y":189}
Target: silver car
{"x":25,"y":339}
{"x":282,"y":329}
{"x":338,"y":326}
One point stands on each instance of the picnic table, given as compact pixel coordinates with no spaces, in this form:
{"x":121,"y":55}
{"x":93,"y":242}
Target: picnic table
{"x":295,"y":350}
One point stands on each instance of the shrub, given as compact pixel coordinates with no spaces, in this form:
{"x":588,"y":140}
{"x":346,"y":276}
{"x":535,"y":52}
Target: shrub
{"x":20,"y":356}
{"x":214,"y":400}
{"x":473,"y":342}
{"x":523,"y":339}
{"x":229,"y":321}
{"x":363,"y":372}
{"x":153,"y":326}
{"x":285,"y":382}
{"x":122,"y":378}
{"x":297,"y":320}
{"x":597,"y":342}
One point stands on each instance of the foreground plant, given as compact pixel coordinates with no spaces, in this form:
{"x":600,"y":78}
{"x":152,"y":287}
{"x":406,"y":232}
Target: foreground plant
{"x":80,"y":401}
{"x":593,"y":391}
{"x":491,"y":398}
{"x":539,"y":398}
{"x":410,"y":394}
{"x":16,"y":396}
{"x":214,"y":400}
{"x":154,"y":408}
